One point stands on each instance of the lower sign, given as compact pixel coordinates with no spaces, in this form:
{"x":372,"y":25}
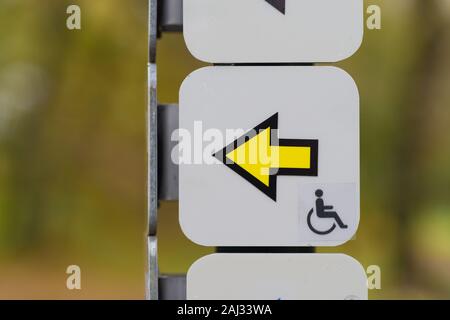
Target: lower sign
{"x":277,"y":277}
{"x":269,"y":156}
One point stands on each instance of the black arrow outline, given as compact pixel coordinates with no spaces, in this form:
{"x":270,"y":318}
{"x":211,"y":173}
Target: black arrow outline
{"x":280,"y":5}
{"x":271,"y":189}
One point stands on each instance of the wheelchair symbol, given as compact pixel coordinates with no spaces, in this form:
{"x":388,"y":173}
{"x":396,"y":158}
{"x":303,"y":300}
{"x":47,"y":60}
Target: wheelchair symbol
{"x":324,"y":212}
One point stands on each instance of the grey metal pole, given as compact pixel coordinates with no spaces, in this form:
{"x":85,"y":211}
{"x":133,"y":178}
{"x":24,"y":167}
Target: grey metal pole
{"x":152,"y":156}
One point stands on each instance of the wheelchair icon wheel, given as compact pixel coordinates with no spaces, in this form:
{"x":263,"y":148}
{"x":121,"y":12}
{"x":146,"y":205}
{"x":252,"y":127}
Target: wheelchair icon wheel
{"x":322,"y":233}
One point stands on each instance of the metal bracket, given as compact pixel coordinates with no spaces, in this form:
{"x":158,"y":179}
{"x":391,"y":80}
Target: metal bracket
{"x":171,"y":15}
{"x":152,"y":151}
{"x":152,"y":29}
{"x":172,"y":287}
{"x":152,"y":275}
{"x":167,"y":168}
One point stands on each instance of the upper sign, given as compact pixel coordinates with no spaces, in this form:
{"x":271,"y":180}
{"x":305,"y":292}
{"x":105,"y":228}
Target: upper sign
{"x":277,"y":277}
{"x":273,"y":31}
{"x":269,"y":156}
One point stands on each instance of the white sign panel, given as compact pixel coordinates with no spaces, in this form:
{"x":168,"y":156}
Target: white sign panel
{"x":277,"y":277}
{"x":269,"y":156}
{"x":251,"y":31}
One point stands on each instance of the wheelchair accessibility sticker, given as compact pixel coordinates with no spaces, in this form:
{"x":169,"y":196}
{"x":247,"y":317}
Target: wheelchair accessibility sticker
{"x":329,"y":209}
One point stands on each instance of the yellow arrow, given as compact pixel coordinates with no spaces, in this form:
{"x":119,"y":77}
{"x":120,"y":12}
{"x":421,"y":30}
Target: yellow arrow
{"x":261,"y":159}
{"x":259,"y":156}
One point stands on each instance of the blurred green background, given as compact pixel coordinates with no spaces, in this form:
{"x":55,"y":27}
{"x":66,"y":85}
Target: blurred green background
{"x":73,"y":157}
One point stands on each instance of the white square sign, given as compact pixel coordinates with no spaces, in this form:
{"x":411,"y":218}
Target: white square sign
{"x":264,"y":31}
{"x":269,"y":156}
{"x":277,"y":277}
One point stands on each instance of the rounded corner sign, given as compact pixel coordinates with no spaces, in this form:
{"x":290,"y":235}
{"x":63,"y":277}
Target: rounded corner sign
{"x":277,"y":277}
{"x":273,"y":31}
{"x":269,"y":156}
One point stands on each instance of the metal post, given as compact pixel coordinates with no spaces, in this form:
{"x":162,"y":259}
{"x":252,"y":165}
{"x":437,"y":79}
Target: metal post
{"x":152,"y":156}
{"x":162,"y":173}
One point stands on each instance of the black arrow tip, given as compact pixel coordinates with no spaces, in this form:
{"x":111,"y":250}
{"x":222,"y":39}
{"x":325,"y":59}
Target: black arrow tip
{"x":280,"y":5}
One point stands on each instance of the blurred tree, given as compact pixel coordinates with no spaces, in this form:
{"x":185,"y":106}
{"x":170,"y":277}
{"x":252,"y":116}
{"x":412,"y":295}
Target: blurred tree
{"x":409,"y":192}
